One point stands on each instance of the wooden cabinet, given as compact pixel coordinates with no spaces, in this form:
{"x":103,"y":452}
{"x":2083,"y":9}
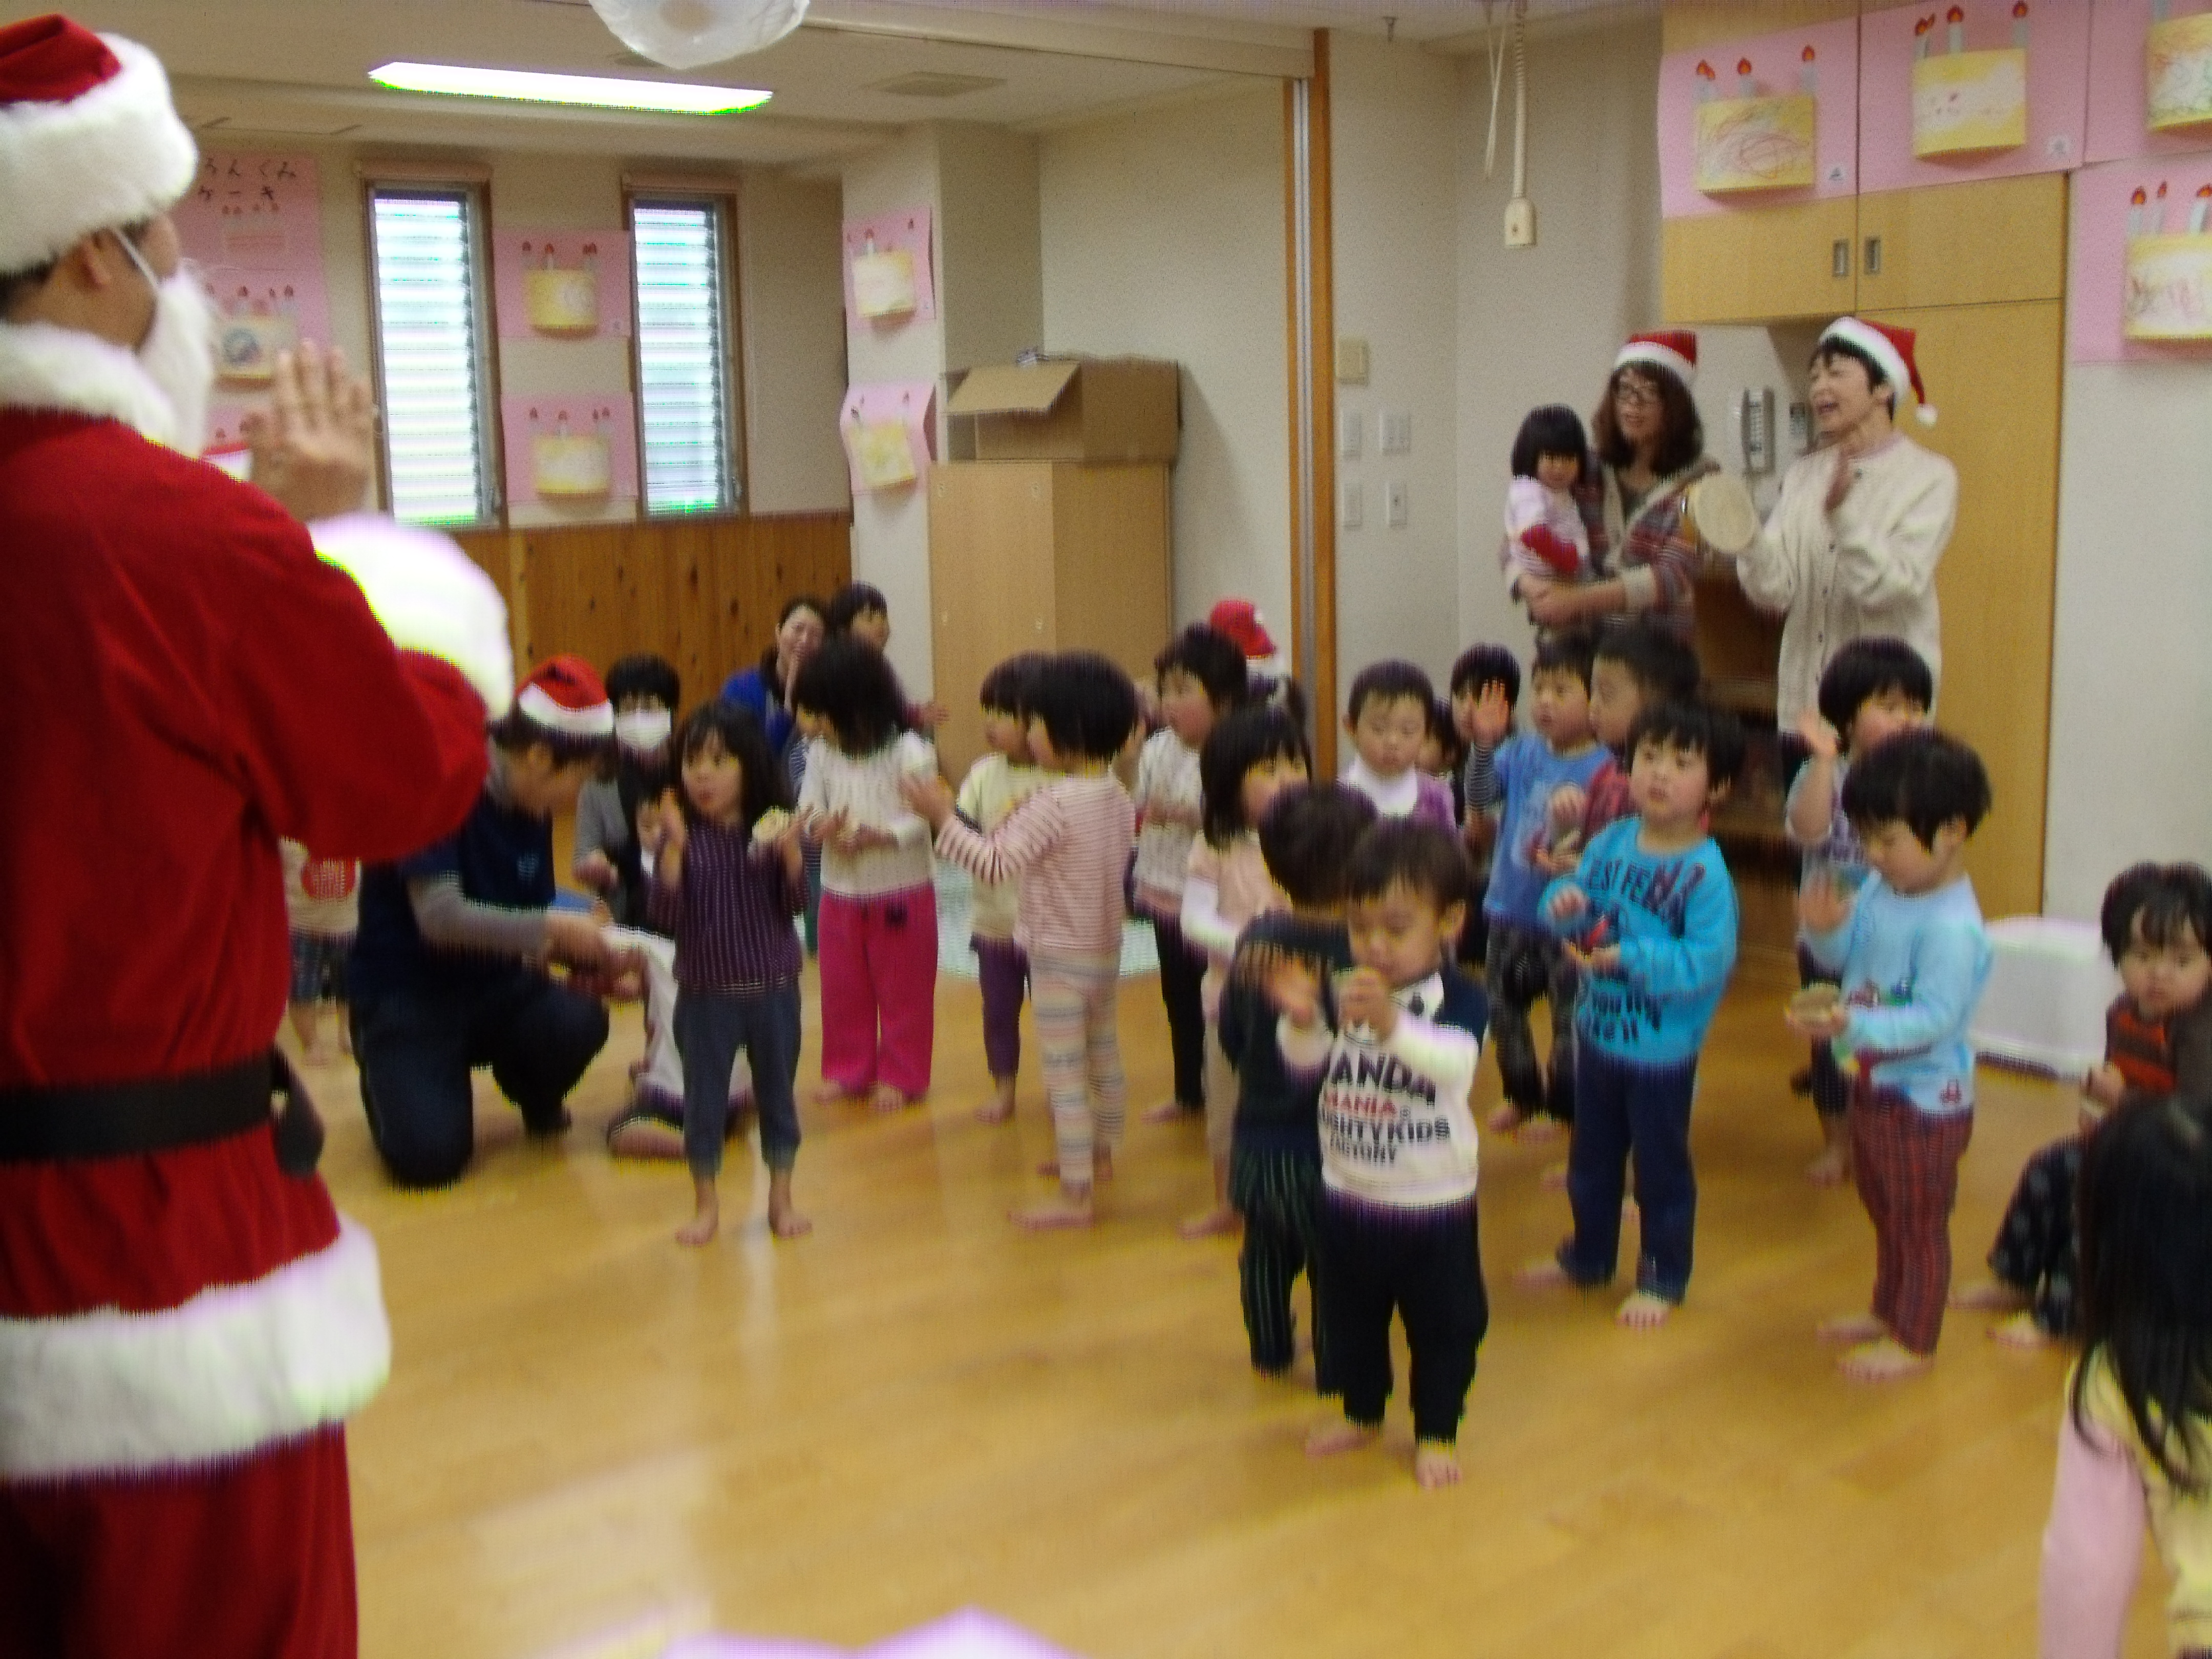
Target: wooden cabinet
{"x":1996,"y":584}
{"x":1042,"y":555}
{"x":1984,"y":243}
{"x":1757,"y":265}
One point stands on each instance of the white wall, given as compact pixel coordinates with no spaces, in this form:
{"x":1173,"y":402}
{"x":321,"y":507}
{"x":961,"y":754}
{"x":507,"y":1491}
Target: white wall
{"x":1163,"y":237}
{"x":2131,"y":674}
{"x":791,"y":302}
{"x":1393,"y":109}
{"x":1541,"y":325}
{"x":890,"y":527}
{"x":991,"y":250}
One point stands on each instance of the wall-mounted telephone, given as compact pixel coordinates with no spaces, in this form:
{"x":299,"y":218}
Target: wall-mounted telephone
{"x":1755,"y":423}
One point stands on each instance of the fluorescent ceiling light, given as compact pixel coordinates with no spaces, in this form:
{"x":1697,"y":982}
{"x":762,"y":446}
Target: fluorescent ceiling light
{"x":598,"y":91}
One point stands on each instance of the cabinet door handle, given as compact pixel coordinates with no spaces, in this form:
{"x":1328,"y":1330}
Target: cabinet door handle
{"x":1872,"y":263}
{"x":1839,"y":258}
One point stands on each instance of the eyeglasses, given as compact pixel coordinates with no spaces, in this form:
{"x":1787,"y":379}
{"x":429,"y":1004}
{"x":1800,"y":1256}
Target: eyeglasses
{"x":1631,"y":394}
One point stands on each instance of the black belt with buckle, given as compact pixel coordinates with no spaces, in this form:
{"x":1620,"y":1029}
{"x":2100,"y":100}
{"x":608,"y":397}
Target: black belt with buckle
{"x":126,"y":1119}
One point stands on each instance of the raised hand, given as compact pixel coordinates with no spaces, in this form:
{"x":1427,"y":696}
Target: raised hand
{"x":1822,"y":906}
{"x":1364,"y":999}
{"x":929,"y":795}
{"x":1818,"y":736}
{"x":1291,"y":984}
{"x":1567,"y":904}
{"x":1494,"y":716}
{"x":313,"y":449}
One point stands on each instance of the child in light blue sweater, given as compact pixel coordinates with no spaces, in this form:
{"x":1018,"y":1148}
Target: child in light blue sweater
{"x":1649,"y":919}
{"x":1912,"y":959}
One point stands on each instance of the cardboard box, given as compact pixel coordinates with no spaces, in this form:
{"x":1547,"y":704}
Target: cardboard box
{"x":1069,"y":409}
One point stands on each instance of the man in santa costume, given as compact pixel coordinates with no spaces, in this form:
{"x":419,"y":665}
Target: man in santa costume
{"x":185,"y":1321}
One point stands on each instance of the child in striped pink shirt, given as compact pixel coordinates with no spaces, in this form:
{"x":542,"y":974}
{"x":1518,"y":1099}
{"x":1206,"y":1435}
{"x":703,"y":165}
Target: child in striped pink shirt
{"x":1069,"y":843}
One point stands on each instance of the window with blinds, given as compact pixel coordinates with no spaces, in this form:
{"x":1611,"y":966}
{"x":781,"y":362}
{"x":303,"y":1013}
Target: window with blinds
{"x":429,"y":319}
{"x":683,"y":356}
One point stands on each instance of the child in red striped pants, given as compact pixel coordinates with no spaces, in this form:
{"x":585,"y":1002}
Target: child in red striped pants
{"x":1913,"y":961}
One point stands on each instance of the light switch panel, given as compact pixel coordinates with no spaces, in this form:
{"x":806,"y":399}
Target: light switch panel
{"x":1348,"y":434}
{"x":1394,"y":503}
{"x":1351,"y":504}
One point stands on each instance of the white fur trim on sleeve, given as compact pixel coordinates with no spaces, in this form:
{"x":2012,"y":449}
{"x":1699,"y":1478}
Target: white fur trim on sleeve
{"x":430,"y":596}
{"x":116,"y":156}
{"x":236,"y":1368}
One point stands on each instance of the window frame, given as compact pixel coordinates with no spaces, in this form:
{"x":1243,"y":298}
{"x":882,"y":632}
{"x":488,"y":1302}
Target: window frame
{"x":721,"y":203}
{"x":475,"y":198}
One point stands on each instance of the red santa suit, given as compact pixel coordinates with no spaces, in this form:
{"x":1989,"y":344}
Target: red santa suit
{"x":183,"y":1330}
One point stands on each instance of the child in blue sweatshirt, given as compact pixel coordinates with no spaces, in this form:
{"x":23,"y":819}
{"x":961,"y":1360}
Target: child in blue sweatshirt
{"x":1912,"y":959}
{"x":1649,"y":919}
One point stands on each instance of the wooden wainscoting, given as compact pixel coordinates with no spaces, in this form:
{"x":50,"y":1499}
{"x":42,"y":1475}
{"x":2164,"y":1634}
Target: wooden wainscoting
{"x":702,"y":593}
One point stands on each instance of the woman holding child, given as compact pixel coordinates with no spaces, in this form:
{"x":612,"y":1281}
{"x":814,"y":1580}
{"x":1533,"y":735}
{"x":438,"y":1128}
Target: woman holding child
{"x":1851,"y":546}
{"x":1650,"y":448}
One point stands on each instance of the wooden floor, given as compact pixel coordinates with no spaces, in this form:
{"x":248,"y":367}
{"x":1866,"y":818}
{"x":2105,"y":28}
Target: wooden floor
{"x":592,"y":1436}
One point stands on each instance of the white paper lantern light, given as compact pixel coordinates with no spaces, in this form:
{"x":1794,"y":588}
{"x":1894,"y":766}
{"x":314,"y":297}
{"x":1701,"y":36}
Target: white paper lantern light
{"x":687,"y":33}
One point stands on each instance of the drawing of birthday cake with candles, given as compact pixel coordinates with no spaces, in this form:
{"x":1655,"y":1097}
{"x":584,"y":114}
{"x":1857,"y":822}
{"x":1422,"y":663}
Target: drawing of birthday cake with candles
{"x":251,"y":329}
{"x":1760,"y":139}
{"x":2169,"y":282}
{"x":561,"y":301}
{"x":1966,"y":103}
{"x":2177,"y":71}
{"x":572,"y":465}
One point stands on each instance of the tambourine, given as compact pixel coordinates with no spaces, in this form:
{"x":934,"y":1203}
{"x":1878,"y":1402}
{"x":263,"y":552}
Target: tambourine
{"x":1718,"y":509}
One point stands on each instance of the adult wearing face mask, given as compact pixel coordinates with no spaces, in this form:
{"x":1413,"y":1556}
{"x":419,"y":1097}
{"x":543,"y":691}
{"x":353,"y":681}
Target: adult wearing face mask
{"x":184,"y":1320}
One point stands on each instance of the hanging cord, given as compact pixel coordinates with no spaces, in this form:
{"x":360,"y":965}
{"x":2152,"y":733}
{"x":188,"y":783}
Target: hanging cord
{"x":1493,"y":53}
{"x":1519,"y":100}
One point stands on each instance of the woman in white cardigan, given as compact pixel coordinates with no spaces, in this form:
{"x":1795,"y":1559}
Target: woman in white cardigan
{"x":1851,"y":546}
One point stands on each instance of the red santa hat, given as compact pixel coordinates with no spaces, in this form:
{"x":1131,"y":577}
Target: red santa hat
{"x":1243,"y":622}
{"x":1891,"y":349}
{"x":1674,"y":350}
{"x":566,"y":695}
{"x":89,"y":138}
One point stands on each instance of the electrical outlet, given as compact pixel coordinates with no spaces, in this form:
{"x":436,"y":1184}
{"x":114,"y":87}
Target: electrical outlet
{"x":1351,"y":504}
{"x":1394,"y":429}
{"x":1348,"y":434}
{"x":1394,"y":503}
{"x":1519,"y":223}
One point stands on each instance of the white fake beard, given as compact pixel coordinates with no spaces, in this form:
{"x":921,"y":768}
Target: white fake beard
{"x":179,"y":357}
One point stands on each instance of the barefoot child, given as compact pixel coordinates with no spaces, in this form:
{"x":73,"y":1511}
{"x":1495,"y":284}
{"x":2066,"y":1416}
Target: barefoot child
{"x":878,"y":908}
{"x":728,"y":879}
{"x":1525,"y":962}
{"x":1649,"y":916}
{"x":1875,"y":689}
{"x":2136,"y":1447}
{"x":1069,"y":843}
{"x":1399,"y":1230}
{"x":995,"y":785}
{"x":1250,"y":758}
{"x":2158,"y":1039}
{"x":1201,"y":676}
{"x":1307,"y":837}
{"x":1912,"y":958}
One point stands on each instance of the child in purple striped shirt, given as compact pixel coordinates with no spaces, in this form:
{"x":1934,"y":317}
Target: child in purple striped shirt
{"x":728,"y":877}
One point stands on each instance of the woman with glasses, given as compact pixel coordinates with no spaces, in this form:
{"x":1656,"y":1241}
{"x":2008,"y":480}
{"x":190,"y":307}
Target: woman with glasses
{"x":1650,"y":449}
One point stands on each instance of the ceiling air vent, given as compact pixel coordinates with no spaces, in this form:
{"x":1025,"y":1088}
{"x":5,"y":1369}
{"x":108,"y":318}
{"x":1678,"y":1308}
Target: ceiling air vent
{"x":925,"y":84}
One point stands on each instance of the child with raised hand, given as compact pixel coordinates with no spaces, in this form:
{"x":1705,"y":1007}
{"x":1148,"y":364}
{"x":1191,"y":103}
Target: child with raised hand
{"x":998,"y":782}
{"x":2135,"y":1444}
{"x":878,"y":930}
{"x":2158,"y":1039}
{"x":1525,"y":962}
{"x":728,"y":878}
{"x":1912,"y":958}
{"x":1388,"y":716}
{"x":1307,"y":838}
{"x":1069,"y":843}
{"x":1874,"y":689}
{"x":1247,"y":761}
{"x":1396,"y":1043}
{"x":1546,"y":536}
{"x":1479,"y":667}
{"x":1649,"y":919}
{"x":1201,"y":677}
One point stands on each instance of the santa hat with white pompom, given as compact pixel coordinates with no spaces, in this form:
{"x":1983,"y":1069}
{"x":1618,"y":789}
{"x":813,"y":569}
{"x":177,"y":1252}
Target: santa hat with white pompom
{"x":1891,"y":350}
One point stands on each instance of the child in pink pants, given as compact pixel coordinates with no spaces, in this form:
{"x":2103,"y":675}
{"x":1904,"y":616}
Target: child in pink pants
{"x":879,"y":929}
